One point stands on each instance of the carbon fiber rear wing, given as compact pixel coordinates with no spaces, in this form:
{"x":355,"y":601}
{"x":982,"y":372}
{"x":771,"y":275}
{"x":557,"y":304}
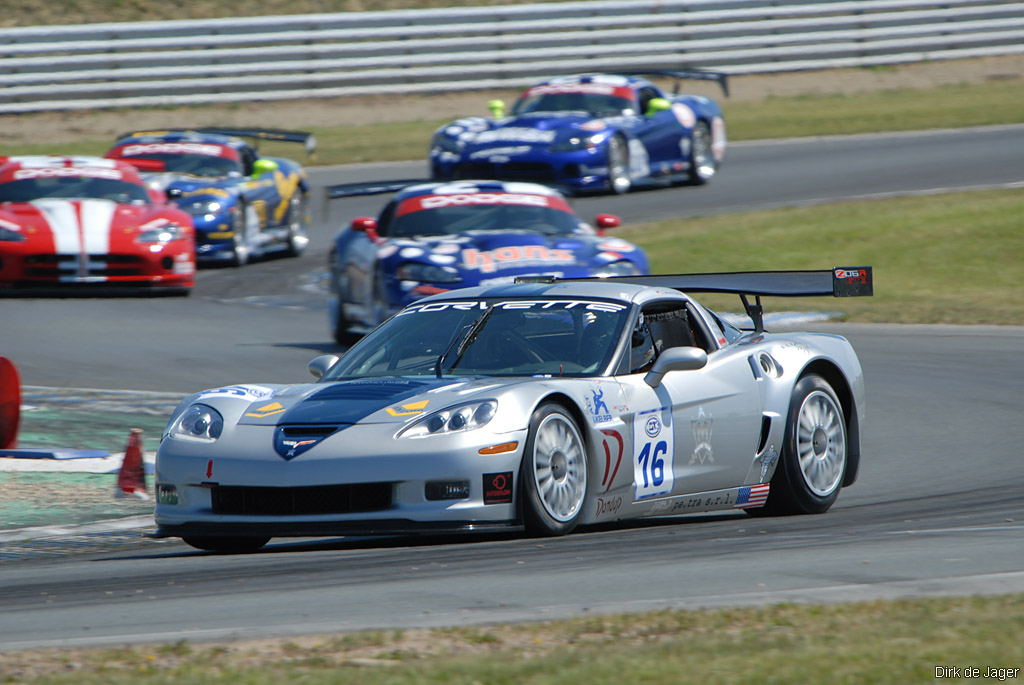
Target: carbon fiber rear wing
{"x":841,"y":281}
{"x":307,"y":139}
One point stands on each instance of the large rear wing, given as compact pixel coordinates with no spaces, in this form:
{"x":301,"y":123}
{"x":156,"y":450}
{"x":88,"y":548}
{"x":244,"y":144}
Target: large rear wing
{"x":308,"y":140}
{"x":691,"y":73}
{"x":841,"y":281}
{"x":339,"y":191}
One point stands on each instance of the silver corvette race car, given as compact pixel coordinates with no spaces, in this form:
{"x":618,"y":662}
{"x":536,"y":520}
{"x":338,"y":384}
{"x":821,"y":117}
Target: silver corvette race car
{"x":540,"y":405}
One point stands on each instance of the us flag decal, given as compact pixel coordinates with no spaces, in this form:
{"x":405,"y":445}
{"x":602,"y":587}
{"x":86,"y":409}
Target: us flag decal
{"x":752,"y":496}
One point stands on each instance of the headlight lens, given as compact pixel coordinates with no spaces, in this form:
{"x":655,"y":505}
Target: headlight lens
{"x":198,"y":422}
{"x":620,"y":268}
{"x":577,"y":143}
{"x":7,"y":235}
{"x":164,"y":234}
{"x":201,"y":207}
{"x":464,"y":417}
{"x":427,"y":273}
{"x":442,"y":142}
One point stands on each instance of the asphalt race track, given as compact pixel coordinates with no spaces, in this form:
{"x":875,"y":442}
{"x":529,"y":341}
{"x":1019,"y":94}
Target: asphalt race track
{"x":938,"y":508}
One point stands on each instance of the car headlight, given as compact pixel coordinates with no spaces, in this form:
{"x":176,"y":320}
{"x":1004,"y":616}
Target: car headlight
{"x":442,"y":142}
{"x":199,"y":422}
{"x":427,"y":273}
{"x":456,"y":419}
{"x":7,"y":235}
{"x":619,"y":268}
{"x":201,"y":207}
{"x":164,"y":234}
{"x":577,"y":143}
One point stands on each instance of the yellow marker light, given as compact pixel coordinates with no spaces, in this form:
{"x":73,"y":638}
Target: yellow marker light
{"x":500,"y":449}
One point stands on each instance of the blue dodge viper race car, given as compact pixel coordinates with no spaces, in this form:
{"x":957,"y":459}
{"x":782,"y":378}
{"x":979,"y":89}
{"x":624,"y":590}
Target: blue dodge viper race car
{"x":590,"y":133}
{"x":243,"y":205}
{"x":435,"y":237}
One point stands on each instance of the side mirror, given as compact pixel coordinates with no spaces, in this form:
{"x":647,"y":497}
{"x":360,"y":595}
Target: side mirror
{"x":263,"y":166}
{"x":364,"y":224}
{"x":321,"y":365}
{"x":676,"y":359}
{"x":497,"y":108}
{"x":606,"y":221}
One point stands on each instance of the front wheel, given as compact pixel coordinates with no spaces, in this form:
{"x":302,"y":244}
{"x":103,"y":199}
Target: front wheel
{"x":702,"y":158}
{"x":618,"y":166}
{"x":813,"y":462}
{"x":226,"y":544}
{"x":245,"y":226}
{"x":296,"y":223}
{"x":553,"y":475}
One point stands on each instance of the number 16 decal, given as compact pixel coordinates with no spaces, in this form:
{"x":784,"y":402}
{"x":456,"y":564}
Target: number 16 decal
{"x":652,"y":462}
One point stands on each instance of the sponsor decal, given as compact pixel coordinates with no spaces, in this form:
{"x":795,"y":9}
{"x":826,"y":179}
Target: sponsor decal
{"x":597,"y":407}
{"x":608,"y":507}
{"x":266,"y":410}
{"x":246,"y":392}
{"x":172,"y":149}
{"x":752,"y":496}
{"x":684,"y":115}
{"x":654,"y":456}
{"x":595,"y":125}
{"x":718,"y":138}
{"x":510,"y":134}
{"x":514,"y":255}
{"x":91,"y":172}
{"x":702,"y":425}
{"x":498,"y":488}
{"x":768,"y":460}
{"x":611,"y":471}
{"x":591,"y":88}
{"x":505,"y":152}
{"x":411,"y":409}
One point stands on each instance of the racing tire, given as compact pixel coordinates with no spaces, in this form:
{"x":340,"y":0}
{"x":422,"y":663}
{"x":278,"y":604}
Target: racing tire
{"x":553,"y":474}
{"x":296,"y":223}
{"x":619,"y":181}
{"x":702,"y":157}
{"x":227,"y":544}
{"x":341,"y":332}
{"x":245,"y":220}
{"x":811,"y":468}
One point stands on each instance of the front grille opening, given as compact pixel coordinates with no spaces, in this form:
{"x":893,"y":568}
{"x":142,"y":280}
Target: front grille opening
{"x":301,"y":501}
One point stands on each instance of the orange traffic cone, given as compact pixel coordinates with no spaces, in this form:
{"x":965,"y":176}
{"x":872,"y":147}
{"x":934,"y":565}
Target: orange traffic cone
{"x":131,"y":481}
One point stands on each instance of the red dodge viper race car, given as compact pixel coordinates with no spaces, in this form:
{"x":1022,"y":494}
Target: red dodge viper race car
{"x":89,"y":221}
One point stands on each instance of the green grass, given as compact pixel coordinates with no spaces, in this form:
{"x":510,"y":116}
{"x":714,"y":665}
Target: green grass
{"x":775,"y":117}
{"x":950,"y":258}
{"x":873,"y":642}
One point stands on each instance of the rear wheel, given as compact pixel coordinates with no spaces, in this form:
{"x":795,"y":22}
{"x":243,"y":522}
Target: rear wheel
{"x":227,"y":544}
{"x":618,"y":166}
{"x":813,"y":462}
{"x":553,"y":474}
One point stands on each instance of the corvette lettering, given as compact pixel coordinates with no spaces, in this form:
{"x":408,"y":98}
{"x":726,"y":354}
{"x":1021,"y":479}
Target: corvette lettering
{"x":172,"y":149}
{"x":610,"y":307}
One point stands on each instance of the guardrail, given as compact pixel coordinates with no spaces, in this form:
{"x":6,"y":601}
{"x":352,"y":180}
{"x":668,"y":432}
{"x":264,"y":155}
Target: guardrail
{"x":136,"y":64}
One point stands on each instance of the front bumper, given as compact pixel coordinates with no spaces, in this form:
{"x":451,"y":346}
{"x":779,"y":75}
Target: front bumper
{"x":338,"y":487}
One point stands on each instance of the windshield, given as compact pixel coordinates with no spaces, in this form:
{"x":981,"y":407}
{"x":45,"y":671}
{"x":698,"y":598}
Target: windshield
{"x":453,"y":214}
{"x":73,"y":187}
{"x":521,"y":337}
{"x":598,"y":105}
{"x":195,"y":165}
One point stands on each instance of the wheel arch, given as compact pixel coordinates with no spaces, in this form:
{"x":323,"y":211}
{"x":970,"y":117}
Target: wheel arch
{"x":837,"y":379}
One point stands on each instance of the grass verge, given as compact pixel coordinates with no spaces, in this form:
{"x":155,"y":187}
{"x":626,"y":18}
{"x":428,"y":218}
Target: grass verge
{"x":951,"y":258}
{"x":904,"y":641}
{"x":905,"y":109}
